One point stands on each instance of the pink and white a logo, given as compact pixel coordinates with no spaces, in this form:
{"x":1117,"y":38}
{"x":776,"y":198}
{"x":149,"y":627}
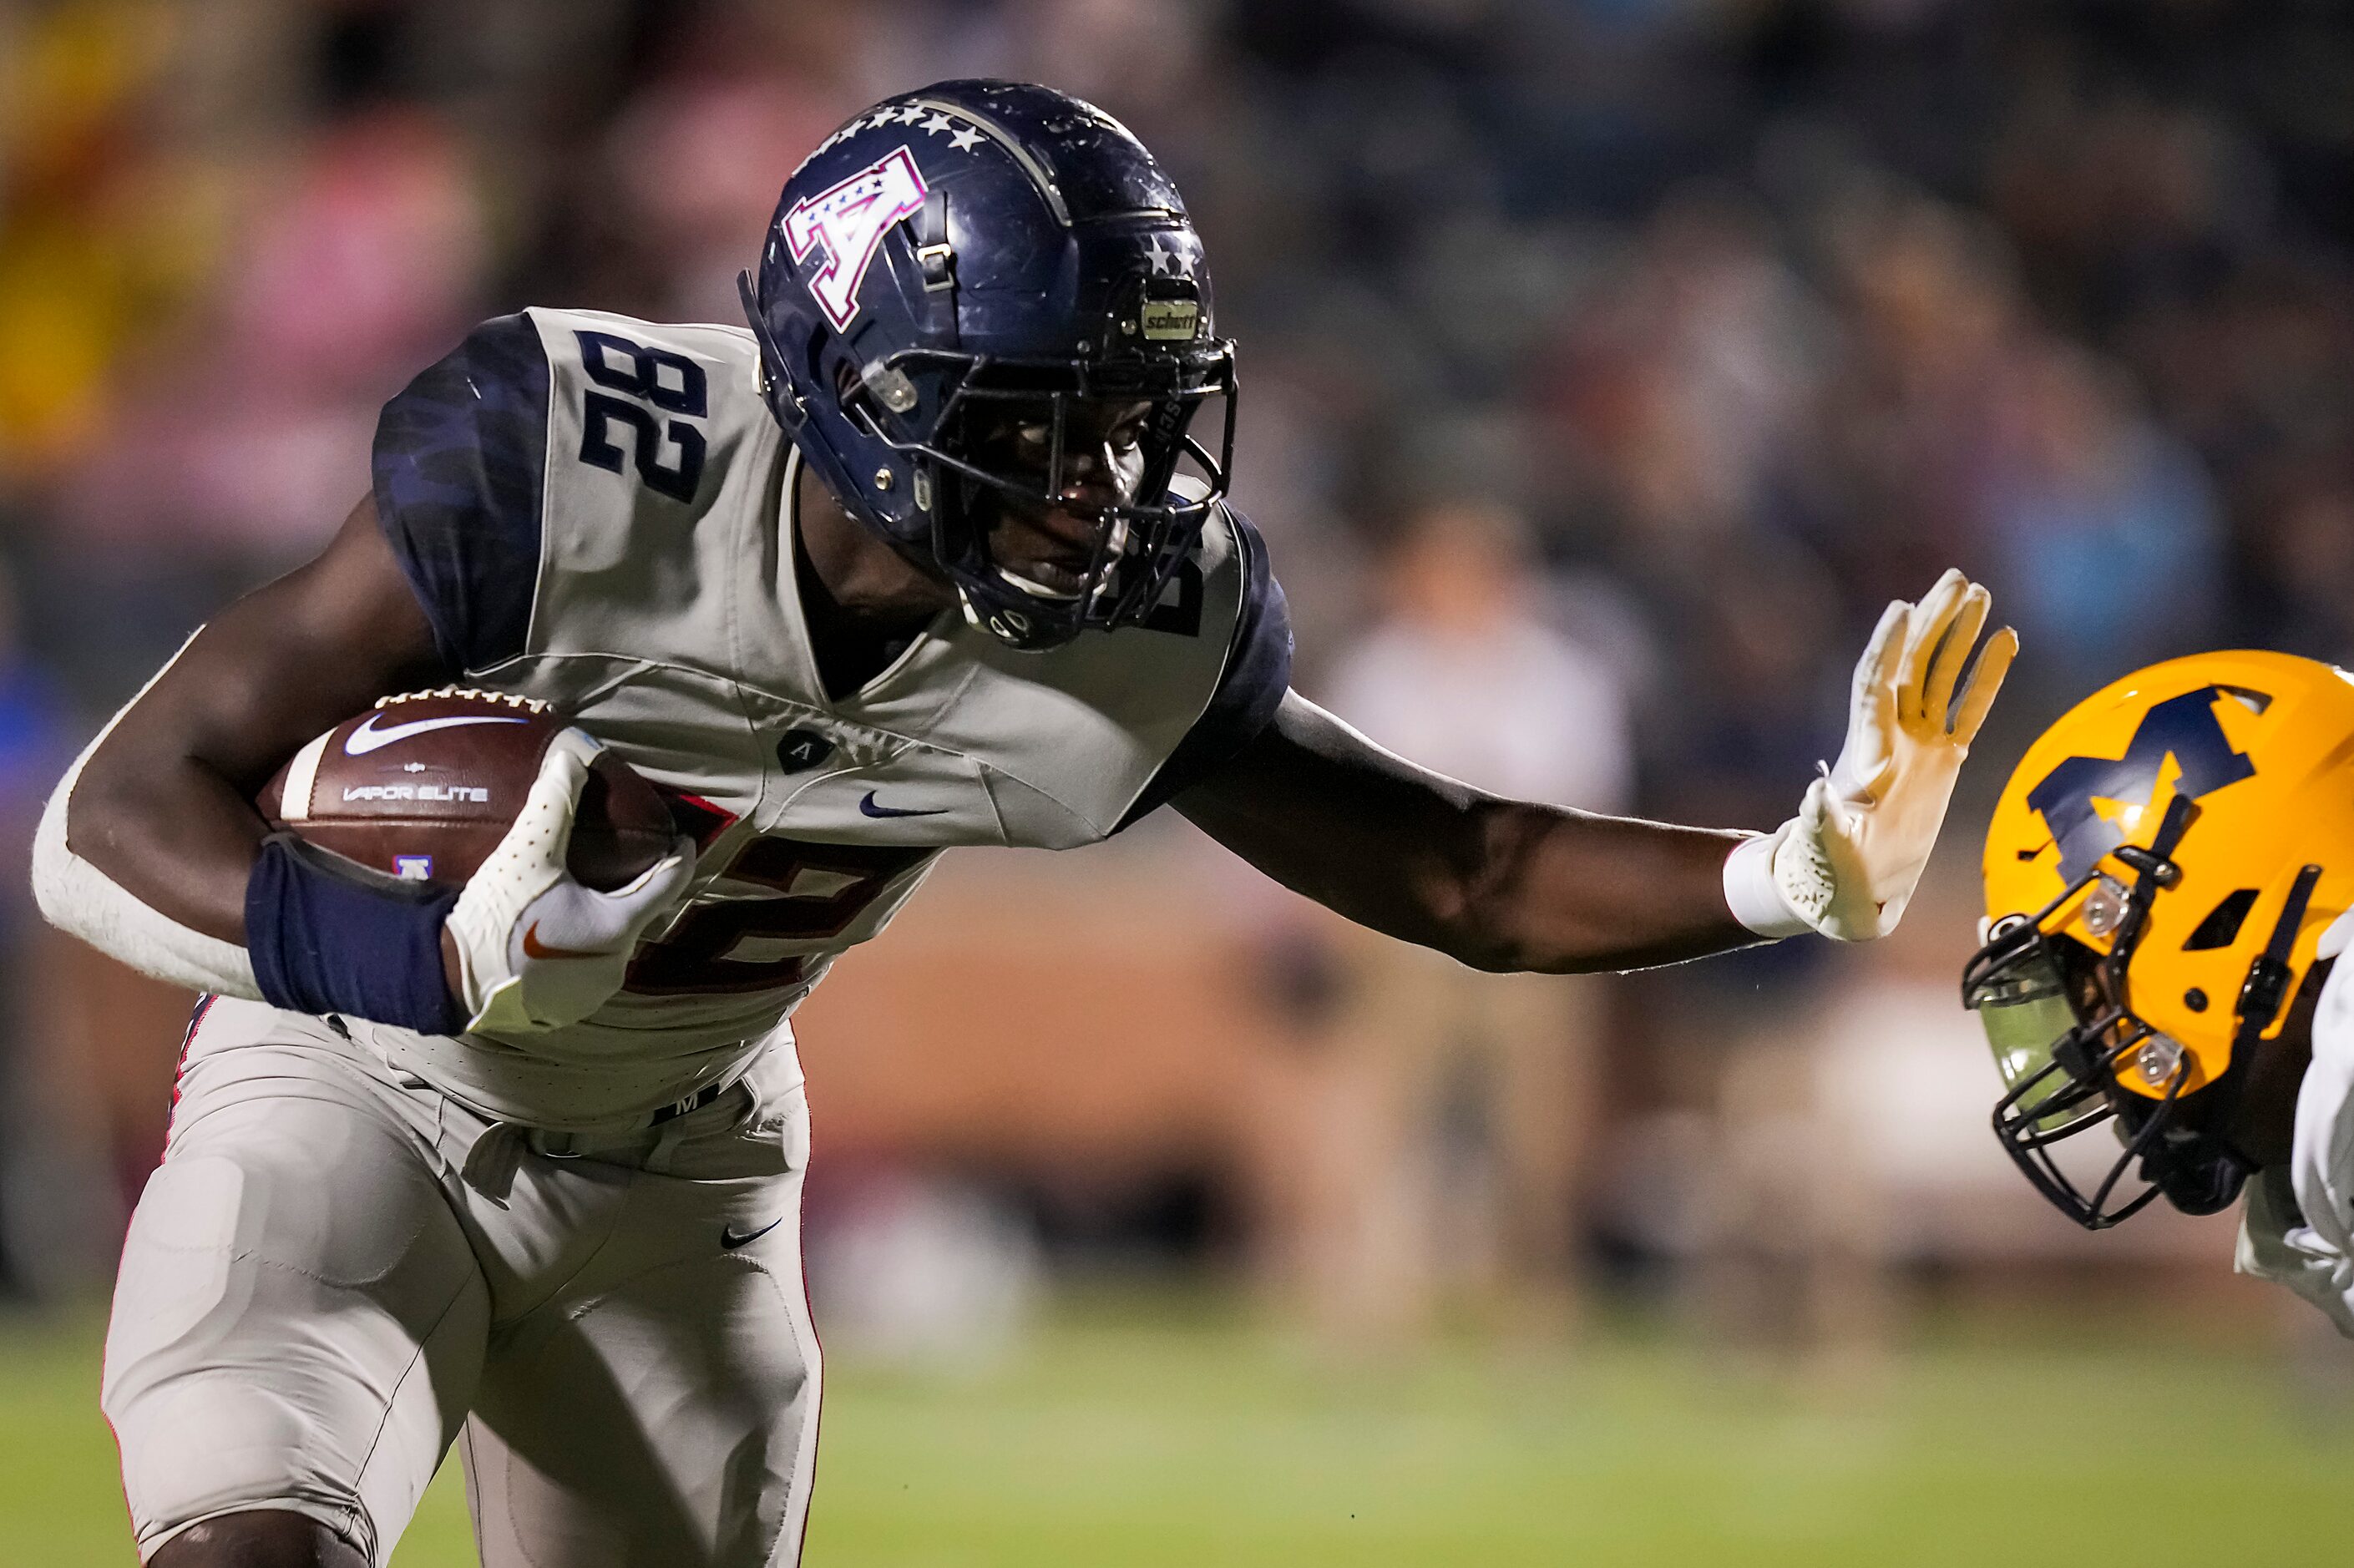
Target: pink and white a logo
{"x":850,"y":220}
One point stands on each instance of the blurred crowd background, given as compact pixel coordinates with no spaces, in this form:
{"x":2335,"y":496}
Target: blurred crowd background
{"x":1607,"y":366}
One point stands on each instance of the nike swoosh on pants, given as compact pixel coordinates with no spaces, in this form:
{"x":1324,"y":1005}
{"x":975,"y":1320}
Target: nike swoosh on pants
{"x":871,"y":810}
{"x":730,"y":1241}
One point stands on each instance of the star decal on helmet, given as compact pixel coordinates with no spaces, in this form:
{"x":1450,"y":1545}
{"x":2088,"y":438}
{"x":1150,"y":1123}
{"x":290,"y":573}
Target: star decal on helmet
{"x":1170,"y":258}
{"x":930,"y":119}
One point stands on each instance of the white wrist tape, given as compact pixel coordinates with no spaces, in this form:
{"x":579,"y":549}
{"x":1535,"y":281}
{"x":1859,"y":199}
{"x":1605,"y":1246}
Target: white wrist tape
{"x":79,"y":899}
{"x":1751,"y":891}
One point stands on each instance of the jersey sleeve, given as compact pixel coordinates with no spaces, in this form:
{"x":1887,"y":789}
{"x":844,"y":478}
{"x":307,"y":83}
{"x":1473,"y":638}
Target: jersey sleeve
{"x":1250,"y":687}
{"x":2295,"y":1230}
{"x":459,"y":477}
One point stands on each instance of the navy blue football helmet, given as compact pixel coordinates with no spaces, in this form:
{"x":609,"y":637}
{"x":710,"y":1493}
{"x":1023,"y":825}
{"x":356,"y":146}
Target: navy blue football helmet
{"x":977,"y":250}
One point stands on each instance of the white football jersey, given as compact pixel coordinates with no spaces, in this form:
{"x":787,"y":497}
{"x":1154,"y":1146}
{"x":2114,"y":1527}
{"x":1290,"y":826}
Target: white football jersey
{"x":2297,"y":1227}
{"x":599,"y":512}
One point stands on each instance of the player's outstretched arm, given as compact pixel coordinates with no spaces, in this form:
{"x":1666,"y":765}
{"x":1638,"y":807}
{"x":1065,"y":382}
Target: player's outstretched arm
{"x":1499,"y":884}
{"x":1512,"y":884}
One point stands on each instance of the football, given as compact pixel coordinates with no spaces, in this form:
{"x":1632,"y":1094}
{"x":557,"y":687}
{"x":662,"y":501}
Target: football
{"x":423,"y":786}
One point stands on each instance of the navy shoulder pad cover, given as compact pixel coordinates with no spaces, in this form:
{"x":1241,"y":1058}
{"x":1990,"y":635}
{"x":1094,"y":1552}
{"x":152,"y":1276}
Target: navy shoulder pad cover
{"x":459,"y":467}
{"x":1251,"y":687}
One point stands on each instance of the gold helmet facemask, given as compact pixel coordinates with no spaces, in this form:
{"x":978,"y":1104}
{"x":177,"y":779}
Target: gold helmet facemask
{"x":2064,"y":1033}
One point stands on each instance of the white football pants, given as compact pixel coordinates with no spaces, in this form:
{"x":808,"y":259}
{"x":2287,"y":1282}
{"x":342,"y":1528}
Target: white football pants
{"x":319,"y":1290}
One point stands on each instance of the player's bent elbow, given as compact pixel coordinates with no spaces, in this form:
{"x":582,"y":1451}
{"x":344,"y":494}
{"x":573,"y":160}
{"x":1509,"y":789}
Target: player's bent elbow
{"x":57,"y":892}
{"x":81,"y":814}
{"x":81,"y":900}
{"x":50,"y":893}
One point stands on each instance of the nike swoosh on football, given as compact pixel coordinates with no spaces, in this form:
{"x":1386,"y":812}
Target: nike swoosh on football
{"x":730,"y":1241}
{"x":367,"y":737}
{"x":871,"y":810}
{"x":533,"y":948}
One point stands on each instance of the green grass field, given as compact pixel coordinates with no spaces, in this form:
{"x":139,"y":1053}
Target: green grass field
{"x":1158,"y":1434}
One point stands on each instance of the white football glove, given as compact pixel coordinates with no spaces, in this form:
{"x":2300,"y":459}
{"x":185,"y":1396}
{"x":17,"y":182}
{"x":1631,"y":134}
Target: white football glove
{"x":537,"y":949}
{"x":1847,"y":865}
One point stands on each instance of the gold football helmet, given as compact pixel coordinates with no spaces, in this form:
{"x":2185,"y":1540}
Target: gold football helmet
{"x":2159,"y":872}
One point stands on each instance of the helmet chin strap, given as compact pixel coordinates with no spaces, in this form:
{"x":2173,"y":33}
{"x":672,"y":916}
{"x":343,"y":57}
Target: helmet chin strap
{"x":2261,"y":996}
{"x":2207,"y":1173}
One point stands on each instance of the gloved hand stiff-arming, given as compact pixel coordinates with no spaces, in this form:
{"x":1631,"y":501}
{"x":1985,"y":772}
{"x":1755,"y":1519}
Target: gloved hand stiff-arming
{"x":1846,"y":866}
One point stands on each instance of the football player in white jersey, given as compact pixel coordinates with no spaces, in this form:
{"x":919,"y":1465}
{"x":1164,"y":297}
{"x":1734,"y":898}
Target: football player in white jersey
{"x":930,"y":555}
{"x":2169,"y":877}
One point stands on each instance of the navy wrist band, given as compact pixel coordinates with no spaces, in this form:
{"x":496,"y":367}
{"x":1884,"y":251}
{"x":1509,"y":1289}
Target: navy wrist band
{"x":328,"y":936}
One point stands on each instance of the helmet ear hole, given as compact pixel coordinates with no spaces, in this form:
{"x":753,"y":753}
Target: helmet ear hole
{"x":848,"y":390}
{"x":2221,"y":926}
{"x":852,"y":396}
{"x":2080,"y":973}
{"x":821,"y":360}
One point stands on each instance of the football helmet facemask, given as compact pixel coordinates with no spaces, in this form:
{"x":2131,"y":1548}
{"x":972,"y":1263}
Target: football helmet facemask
{"x":977,"y":256}
{"x":2159,"y":871}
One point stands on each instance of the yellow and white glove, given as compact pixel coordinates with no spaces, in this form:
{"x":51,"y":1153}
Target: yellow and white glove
{"x":537,"y":949}
{"x":1847,"y":865}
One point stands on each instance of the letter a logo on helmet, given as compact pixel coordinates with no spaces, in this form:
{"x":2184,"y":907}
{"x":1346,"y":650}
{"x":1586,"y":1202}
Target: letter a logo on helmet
{"x":849,"y":220}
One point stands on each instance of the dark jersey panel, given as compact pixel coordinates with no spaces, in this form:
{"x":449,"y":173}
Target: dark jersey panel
{"x":1257,"y":673}
{"x":460,"y":460}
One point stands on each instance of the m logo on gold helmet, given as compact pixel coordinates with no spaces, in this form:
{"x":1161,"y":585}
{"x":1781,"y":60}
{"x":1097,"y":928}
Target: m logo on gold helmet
{"x":2184,"y":728}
